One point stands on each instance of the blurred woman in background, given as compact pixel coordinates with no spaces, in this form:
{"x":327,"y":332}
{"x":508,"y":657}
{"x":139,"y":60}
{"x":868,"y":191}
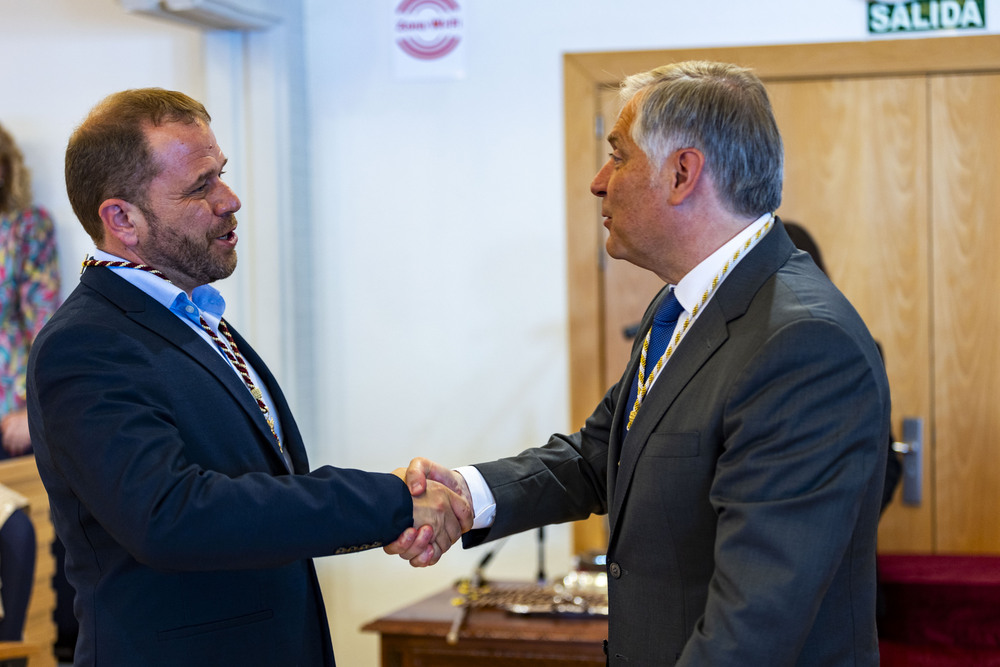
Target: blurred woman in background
{"x":29,"y":289}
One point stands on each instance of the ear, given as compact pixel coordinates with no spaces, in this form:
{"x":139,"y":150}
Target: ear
{"x":120,"y":221}
{"x":684,"y":168}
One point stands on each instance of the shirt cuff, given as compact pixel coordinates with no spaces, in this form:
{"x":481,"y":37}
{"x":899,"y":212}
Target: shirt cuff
{"x":483,"y":503}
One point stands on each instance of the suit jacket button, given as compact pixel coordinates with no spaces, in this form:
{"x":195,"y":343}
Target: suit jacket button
{"x":615,"y":570}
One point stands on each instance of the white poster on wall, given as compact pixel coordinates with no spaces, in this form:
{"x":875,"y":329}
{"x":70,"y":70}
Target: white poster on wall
{"x":428,"y":39}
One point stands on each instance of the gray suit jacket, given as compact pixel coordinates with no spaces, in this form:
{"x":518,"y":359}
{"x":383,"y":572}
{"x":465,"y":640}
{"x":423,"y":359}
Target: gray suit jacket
{"x":744,"y":502}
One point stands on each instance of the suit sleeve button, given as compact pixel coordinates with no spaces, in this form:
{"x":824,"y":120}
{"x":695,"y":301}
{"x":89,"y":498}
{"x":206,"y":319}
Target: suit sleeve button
{"x":615,"y":570}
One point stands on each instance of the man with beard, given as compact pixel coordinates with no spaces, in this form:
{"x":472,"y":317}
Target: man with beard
{"x":177,"y":476}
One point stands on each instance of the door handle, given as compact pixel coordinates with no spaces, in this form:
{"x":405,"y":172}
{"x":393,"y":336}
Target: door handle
{"x":631,"y":331}
{"x":912,"y":449}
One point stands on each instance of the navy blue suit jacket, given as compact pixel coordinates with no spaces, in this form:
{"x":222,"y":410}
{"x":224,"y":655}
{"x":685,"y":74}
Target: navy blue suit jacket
{"x":188,"y":541}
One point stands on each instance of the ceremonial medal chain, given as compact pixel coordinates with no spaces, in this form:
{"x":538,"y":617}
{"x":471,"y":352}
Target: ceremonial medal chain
{"x":232,"y":352}
{"x":645,"y":383}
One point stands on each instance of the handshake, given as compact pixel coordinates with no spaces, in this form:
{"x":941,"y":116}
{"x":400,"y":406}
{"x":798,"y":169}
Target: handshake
{"x":442,"y":512}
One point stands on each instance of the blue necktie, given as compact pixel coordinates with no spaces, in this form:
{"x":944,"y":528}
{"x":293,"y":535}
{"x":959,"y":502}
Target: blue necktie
{"x":664,"y":322}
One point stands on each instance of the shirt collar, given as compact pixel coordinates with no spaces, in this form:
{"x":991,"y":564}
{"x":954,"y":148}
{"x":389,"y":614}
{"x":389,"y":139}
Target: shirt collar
{"x":698,"y":280}
{"x":206,"y":299}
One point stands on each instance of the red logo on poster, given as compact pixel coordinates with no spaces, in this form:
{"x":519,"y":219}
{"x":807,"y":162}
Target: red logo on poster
{"x":426,"y":28}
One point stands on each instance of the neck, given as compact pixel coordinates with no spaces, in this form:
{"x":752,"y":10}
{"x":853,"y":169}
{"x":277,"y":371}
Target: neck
{"x":134,"y":261}
{"x":706,"y":233}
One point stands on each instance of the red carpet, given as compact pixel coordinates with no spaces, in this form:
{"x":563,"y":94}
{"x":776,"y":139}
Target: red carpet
{"x":940,"y":611}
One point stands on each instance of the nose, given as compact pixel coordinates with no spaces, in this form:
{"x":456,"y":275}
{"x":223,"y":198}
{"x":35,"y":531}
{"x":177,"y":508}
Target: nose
{"x":599,"y":186}
{"x":226,"y":201}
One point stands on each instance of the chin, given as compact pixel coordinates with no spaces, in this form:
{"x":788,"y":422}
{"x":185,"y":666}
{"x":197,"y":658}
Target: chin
{"x":614,"y":251}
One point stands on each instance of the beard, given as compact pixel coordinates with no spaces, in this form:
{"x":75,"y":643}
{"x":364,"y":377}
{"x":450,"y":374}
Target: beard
{"x":196,"y":259}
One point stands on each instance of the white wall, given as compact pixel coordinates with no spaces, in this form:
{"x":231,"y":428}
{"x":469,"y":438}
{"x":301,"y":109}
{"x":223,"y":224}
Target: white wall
{"x":60,"y":57}
{"x":441,"y":220}
{"x":409,"y":234}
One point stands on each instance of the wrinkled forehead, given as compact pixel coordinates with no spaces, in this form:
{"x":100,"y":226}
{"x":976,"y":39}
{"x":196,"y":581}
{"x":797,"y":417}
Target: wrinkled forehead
{"x":181,"y":142}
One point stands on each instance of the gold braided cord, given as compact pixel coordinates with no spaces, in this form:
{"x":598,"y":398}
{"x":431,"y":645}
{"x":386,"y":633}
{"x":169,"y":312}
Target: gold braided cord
{"x":644,"y":383}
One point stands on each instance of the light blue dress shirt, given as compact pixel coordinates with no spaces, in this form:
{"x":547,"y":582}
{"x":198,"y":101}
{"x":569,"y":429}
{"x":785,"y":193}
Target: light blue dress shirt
{"x":205,"y":302}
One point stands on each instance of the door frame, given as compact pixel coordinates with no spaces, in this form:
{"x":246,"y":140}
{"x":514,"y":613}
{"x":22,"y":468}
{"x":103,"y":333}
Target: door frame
{"x":585,"y":73}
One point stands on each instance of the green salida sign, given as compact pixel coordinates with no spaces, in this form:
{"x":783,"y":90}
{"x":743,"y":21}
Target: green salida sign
{"x":926,"y":15}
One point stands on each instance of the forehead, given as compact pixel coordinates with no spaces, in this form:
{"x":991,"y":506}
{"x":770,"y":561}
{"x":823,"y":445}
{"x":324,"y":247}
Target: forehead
{"x":621,"y":133}
{"x":182,"y":146}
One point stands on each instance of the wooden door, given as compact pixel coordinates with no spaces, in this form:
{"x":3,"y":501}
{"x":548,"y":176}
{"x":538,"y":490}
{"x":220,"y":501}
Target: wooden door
{"x":965,"y":171}
{"x":856,"y":178}
{"x":871,"y":172}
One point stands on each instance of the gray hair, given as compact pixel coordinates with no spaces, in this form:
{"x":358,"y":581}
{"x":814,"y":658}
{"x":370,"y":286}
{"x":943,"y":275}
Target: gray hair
{"x":723,"y":111}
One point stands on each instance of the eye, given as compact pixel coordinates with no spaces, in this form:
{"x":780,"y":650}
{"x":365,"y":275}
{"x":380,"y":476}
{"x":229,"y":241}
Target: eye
{"x":615,"y":158}
{"x":206,"y":184}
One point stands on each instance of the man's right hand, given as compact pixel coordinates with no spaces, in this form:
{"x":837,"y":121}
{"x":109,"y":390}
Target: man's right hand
{"x":14,"y":432}
{"x":442,"y":511}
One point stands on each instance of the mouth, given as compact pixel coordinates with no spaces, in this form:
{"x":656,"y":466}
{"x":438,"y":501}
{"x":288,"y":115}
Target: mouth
{"x":229,"y":238}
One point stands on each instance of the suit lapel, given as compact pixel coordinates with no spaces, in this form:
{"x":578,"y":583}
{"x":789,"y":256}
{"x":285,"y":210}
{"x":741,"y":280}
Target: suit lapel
{"x":706,"y":336}
{"x":292,"y":439}
{"x":622,"y":403}
{"x":146,"y":311}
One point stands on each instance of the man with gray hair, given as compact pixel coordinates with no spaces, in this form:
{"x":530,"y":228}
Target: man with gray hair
{"x":741,"y":455}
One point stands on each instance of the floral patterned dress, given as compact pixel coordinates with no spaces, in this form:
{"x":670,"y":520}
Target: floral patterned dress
{"x":29,"y":294}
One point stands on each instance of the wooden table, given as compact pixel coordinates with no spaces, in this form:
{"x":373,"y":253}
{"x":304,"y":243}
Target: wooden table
{"x":17,"y":653}
{"x":414,"y":636}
